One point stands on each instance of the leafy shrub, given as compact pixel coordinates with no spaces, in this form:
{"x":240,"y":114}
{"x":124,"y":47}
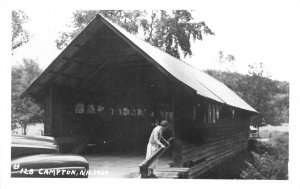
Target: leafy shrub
{"x":270,"y":160}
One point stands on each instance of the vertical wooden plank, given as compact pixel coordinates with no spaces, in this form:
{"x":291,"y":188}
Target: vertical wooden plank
{"x":60,"y":113}
{"x":54,"y":114}
{"x":177,"y":150}
{"x":135,"y":103}
{"x":173,"y":110}
{"x":48,"y":112}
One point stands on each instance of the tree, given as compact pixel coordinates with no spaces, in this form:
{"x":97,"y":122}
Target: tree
{"x":226,"y":61}
{"x":269,"y":97}
{"x":24,"y":110}
{"x":263,"y":89}
{"x":20,"y":36}
{"x":126,"y":19}
{"x":170,"y":31}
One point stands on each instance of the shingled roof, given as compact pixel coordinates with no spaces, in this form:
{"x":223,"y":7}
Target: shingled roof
{"x":201,"y":82}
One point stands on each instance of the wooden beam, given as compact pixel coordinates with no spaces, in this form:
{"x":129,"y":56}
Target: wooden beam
{"x":96,"y":80}
{"x":66,"y":58}
{"x":48,"y":113}
{"x":91,"y":79}
{"x":80,"y":65}
{"x":106,"y":37}
{"x":61,"y":70}
{"x":52,"y":72}
{"x":125,"y":52}
{"x":86,"y":81}
{"x":78,"y":46}
{"x":91,"y":33}
{"x":177,"y":151}
{"x":69,"y":77}
{"x":115,"y":66}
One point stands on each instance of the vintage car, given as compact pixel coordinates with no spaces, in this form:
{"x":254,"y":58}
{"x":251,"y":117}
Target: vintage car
{"x":254,"y":132}
{"x":38,"y":156}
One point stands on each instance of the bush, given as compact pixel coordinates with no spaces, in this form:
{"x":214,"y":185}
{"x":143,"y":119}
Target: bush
{"x":270,"y":160}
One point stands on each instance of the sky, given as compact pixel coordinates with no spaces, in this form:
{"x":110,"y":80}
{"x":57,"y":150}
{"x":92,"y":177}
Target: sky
{"x":253,"y":31}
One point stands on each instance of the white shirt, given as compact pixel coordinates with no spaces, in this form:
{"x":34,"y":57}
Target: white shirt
{"x":156,"y":136}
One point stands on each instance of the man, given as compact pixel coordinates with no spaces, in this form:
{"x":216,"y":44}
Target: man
{"x":155,"y":142}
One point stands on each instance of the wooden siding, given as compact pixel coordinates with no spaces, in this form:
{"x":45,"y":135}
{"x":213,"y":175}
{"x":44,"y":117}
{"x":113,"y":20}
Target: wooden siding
{"x":48,"y":106}
{"x":217,"y":142}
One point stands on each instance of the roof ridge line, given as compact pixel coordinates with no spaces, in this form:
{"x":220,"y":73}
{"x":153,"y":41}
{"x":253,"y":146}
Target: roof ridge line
{"x":149,"y":43}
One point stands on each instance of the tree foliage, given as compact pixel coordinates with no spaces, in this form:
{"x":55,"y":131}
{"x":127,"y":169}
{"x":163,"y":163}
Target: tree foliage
{"x":23,"y":110}
{"x":270,"y":160}
{"x":170,"y":31}
{"x":226,"y":61}
{"x":20,"y":36}
{"x":269,"y":97}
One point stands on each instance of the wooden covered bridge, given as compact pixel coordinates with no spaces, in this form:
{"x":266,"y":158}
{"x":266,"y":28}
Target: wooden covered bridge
{"x":105,"y":90}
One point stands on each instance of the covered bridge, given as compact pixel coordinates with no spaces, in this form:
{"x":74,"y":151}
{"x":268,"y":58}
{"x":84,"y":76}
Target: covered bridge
{"x":107,"y":88}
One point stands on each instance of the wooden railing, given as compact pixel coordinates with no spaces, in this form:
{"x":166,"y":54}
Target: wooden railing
{"x":144,"y":166}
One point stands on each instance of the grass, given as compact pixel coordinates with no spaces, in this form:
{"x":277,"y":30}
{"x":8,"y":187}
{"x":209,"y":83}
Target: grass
{"x":272,"y":131}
